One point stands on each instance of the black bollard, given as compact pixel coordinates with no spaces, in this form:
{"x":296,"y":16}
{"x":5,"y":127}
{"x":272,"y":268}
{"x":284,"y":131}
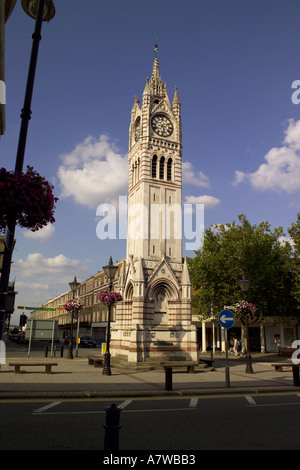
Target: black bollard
{"x":296,"y":379}
{"x":112,"y":427}
{"x":46,"y":350}
{"x":62,"y":351}
{"x":168,"y":378}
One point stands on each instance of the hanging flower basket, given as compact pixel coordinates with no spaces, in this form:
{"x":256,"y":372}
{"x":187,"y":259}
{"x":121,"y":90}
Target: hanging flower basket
{"x":28,"y":196}
{"x":73,"y":305}
{"x":109,"y":298}
{"x":245,"y":308}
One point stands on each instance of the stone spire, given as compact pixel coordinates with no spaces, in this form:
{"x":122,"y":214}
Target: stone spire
{"x":186,"y":281}
{"x":156,"y":83}
{"x":185,"y":278}
{"x":176,"y":106}
{"x":176,"y":100}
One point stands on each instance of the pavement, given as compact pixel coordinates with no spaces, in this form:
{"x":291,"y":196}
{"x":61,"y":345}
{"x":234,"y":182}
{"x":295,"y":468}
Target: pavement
{"x":75,"y":378}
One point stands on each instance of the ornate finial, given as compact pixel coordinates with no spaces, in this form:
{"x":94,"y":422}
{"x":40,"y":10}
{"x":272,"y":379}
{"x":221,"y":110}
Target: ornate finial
{"x":156,"y":47}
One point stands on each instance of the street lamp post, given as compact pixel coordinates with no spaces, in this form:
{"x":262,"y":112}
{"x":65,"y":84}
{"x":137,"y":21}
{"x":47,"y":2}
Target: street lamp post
{"x":244,"y":285}
{"x":73,"y":286}
{"x":110,"y":271}
{"x":41,"y":10}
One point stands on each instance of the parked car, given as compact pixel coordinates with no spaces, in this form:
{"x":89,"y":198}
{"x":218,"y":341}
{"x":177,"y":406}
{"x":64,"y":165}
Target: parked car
{"x":87,"y":342}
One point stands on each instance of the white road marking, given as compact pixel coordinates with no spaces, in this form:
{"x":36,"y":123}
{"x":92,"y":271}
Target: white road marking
{"x":250,"y":400}
{"x":44,"y":408}
{"x":193,"y":403}
{"x":124,"y":404}
{"x":270,"y":405}
{"x":162,"y":410}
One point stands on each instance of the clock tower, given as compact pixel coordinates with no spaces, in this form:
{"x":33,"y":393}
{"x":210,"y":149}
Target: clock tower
{"x":154,"y":319}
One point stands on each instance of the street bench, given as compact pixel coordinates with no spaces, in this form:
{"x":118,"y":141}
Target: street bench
{"x":279,"y":366}
{"x":48,"y":365}
{"x":286,"y":351}
{"x":190,"y":366}
{"x":208,"y":362}
{"x":96,"y":361}
{"x":169,"y":366}
{"x":295,"y":369}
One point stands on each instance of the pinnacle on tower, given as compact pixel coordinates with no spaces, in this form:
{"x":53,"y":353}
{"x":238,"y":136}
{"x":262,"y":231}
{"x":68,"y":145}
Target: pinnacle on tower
{"x":176,"y":100}
{"x":156,"y":83}
{"x":156,"y":48}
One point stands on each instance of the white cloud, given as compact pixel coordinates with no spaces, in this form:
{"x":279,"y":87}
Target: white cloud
{"x":39,"y":278}
{"x":20,"y":285}
{"x":40,"y":235}
{"x":52,"y":270}
{"x":190,"y":177}
{"x":94,"y":172}
{"x":284,"y":239}
{"x":208,"y":201}
{"x":292,"y":134}
{"x":281,"y":170}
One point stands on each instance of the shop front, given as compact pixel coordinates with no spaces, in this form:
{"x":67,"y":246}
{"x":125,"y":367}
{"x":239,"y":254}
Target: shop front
{"x":265,"y":336}
{"x":99,"y":332}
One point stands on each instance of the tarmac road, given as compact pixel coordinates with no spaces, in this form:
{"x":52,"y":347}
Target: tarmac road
{"x":66,"y":409}
{"x":268,"y":422}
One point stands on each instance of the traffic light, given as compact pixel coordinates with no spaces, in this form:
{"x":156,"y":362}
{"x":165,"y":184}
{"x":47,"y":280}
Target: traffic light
{"x":10,"y":298}
{"x":23,"y":320}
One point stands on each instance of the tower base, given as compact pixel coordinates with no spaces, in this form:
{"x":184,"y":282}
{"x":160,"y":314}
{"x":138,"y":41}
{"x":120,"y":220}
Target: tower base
{"x":154,"y":344}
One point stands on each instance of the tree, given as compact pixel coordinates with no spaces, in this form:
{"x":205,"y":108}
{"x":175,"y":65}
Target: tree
{"x":231,"y":250}
{"x":294,"y":232}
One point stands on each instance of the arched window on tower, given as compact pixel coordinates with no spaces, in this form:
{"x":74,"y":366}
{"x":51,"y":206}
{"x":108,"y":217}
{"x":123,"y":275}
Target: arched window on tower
{"x":169,"y":170}
{"x":162,"y":168}
{"x":138,"y":169}
{"x":132,"y":175}
{"x":154,"y":166}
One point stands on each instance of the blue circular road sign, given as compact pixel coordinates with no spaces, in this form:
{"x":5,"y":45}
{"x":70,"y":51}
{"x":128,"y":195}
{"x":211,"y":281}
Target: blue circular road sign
{"x":226,"y":319}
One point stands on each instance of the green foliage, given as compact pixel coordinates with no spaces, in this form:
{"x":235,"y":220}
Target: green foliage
{"x":231,"y":250}
{"x":294,"y":232}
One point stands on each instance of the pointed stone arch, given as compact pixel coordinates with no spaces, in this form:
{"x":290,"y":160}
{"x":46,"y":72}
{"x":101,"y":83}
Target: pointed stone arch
{"x":154,"y":166}
{"x":169,"y":169}
{"x":162,"y":291}
{"x":129,"y":291}
{"x":166,"y":285}
{"x":162,"y":168}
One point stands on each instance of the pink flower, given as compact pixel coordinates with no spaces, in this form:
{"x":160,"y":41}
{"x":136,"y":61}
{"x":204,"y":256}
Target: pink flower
{"x":73,"y":304}
{"x":109,"y":298}
{"x":27,"y":196}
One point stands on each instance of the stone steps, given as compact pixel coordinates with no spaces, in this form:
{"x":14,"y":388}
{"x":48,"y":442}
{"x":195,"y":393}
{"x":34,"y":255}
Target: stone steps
{"x":121,"y":362}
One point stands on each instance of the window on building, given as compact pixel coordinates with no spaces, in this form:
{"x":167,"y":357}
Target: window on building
{"x":154,"y":166}
{"x":169,"y":170}
{"x":162,"y":168}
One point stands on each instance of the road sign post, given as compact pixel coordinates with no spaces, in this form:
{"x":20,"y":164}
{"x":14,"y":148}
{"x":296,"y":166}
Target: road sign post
{"x":226,"y":320}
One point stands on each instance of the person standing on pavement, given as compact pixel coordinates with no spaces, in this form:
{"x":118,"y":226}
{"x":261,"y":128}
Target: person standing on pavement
{"x":236,"y":346}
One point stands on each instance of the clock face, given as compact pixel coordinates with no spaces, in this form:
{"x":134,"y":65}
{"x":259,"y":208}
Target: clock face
{"x":162,"y":125}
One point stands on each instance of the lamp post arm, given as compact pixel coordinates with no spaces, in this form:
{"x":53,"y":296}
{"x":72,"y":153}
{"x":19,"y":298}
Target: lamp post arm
{"x":26,"y":111}
{"x":25,"y":116}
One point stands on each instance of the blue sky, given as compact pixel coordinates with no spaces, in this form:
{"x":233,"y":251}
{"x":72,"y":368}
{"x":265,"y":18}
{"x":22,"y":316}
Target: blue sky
{"x":233,"y":61}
